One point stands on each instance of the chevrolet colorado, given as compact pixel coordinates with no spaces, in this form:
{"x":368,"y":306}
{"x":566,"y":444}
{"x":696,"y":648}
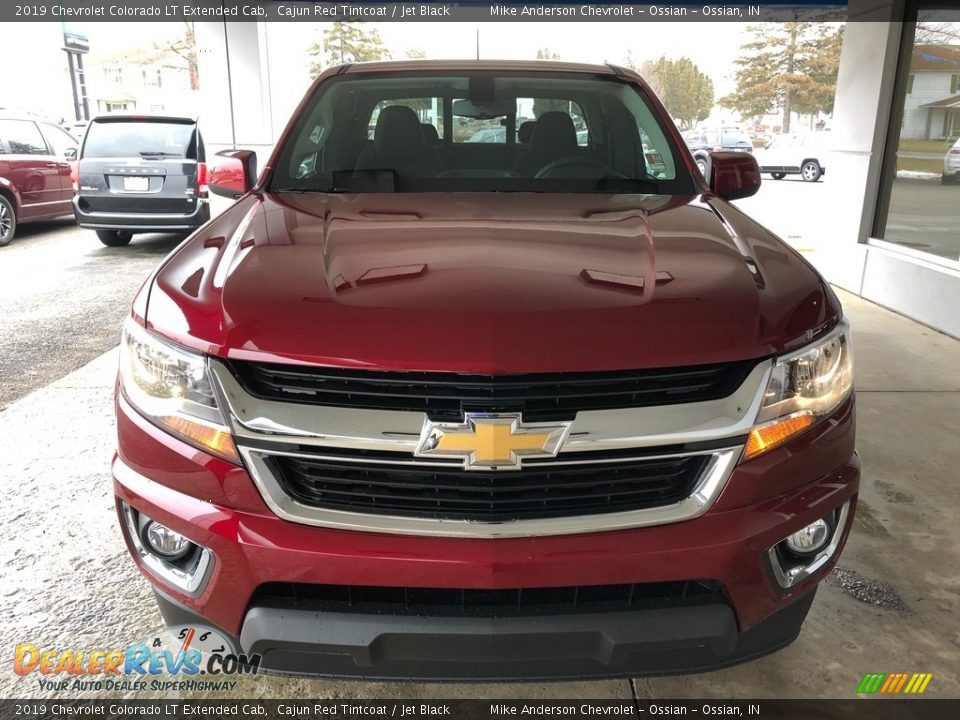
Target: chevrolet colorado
{"x":416,"y":407}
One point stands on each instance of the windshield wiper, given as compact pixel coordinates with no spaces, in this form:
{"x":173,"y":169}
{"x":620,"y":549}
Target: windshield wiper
{"x":628,"y":185}
{"x":156,"y":153}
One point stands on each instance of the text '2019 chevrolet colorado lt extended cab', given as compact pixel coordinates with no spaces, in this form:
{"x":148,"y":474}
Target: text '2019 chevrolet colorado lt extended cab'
{"x":420,"y":407}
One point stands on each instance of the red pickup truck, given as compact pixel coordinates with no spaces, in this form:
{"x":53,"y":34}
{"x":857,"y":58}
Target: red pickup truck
{"x":417,"y":406}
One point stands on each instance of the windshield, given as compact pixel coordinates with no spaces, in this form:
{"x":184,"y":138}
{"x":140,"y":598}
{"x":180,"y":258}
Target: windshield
{"x":479,"y":132}
{"x":144,"y":138}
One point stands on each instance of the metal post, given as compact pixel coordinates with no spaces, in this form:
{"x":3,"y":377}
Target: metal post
{"x":73,"y":84}
{"x":83,"y":88}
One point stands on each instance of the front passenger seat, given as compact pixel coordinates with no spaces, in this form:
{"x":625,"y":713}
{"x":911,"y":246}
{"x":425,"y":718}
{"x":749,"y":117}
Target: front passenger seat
{"x":554,"y":137}
{"x":398,"y":144}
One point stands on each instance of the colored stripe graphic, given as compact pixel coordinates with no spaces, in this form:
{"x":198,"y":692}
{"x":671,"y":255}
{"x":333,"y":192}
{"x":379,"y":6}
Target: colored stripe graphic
{"x":871,"y":682}
{"x":895,"y":683}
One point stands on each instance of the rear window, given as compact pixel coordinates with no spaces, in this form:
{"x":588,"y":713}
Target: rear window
{"x":733,"y":137}
{"x":144,"y":138}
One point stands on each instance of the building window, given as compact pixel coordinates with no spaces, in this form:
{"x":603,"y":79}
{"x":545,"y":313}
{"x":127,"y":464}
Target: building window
{"x":152,"y":77}
{"x":113,"y":75}
{"x":920,"y":211}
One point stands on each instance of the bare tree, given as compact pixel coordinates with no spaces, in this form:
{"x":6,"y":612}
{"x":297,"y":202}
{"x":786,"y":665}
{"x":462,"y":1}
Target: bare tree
{"x":930,"y":32}
{"x":186,"y":47}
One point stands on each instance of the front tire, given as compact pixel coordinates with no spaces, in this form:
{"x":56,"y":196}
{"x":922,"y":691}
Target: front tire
{"x":811,"y":171}
{"x":778,"y":176}
{"x":944,"y":180}
{"x":114,"y":238}
{"x":8,"y":221}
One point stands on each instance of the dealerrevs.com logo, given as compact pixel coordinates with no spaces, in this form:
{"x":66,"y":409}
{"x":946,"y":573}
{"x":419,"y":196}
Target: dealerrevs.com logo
{"x":171,"y":659}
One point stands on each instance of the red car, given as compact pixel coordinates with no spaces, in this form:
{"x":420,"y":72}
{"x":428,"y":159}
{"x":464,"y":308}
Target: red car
{"x":35,"y":179}
{"x":438,"y":409}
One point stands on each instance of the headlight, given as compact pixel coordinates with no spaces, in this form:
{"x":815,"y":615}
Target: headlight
{"x":170,"y":386}
{"x":804,"y":386}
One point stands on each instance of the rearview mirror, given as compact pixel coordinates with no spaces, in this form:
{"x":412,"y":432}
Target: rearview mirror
{"x":483,"y":110}
{"x":233,"y":173}
{"x":734,"y":175}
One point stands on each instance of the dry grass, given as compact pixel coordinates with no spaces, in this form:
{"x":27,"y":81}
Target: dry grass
{"x":933,"y":146}
{"x":916,"y":165}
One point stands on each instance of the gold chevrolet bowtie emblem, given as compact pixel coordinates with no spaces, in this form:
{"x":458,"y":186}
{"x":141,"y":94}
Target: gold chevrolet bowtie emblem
{"x":492,"y":441}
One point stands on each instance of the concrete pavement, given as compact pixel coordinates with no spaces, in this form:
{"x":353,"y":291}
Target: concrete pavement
{"x":67,"y":581}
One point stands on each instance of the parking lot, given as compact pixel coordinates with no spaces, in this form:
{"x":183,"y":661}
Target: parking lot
{"x":69,"y":584}
{"x":64,"y":296}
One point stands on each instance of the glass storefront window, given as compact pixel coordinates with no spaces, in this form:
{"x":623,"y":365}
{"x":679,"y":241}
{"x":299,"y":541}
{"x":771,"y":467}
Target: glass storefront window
{"x":924,"y":202}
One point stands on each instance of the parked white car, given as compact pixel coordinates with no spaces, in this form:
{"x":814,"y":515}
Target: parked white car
{"x":951,"y":164}
{"x":794,"y":154}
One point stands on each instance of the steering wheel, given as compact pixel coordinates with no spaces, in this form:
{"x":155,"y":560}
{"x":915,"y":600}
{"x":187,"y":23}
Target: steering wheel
{"x":575,"y":167}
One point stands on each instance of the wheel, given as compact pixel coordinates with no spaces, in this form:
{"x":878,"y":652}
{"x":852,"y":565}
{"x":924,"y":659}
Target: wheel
{"x":704,"y":166}
{"x":944,"y":180}
{"x":114,"y":238}
{"x":8,"y":221}
{"x":778,"y":176}
{"x":811,"y":171}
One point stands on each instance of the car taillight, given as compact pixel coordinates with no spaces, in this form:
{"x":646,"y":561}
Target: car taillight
{"x":75,"y":176}
{"x":202,"y":188}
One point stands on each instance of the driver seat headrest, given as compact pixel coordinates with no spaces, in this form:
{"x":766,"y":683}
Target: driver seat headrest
{"x":554,"y":135}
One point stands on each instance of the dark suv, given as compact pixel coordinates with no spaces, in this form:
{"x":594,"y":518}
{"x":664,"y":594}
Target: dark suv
{"x":704,"y":141}
{"x":34,"y":172}
{"x":141,"y":174}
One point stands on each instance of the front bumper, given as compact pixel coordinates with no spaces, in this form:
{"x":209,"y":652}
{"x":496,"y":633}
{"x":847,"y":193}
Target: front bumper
{"x":661,"y":641}
{"x":217,"y":506}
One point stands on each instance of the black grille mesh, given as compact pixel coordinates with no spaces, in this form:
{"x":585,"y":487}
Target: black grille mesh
{"x":536,"y":491}
{"x":454,"y":602}
{"x":446,"y":396}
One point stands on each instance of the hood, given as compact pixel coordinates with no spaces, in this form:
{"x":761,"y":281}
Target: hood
{"x":488,"y":283}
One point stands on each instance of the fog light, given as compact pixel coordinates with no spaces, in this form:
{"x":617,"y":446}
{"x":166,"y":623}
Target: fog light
{"x":167,"y":554}
{"x":809,"y":539}
{"x":164,"y":541}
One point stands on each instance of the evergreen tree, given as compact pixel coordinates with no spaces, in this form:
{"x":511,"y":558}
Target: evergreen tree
{"x":347,"y":42}
{"x":791,"y":67}
{"x":686,"y":92}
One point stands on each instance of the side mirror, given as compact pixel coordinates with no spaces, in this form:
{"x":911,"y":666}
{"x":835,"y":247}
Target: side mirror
{"x":70,"y":154}
{"x":233,"y":173}
{"x":734,"y":175}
